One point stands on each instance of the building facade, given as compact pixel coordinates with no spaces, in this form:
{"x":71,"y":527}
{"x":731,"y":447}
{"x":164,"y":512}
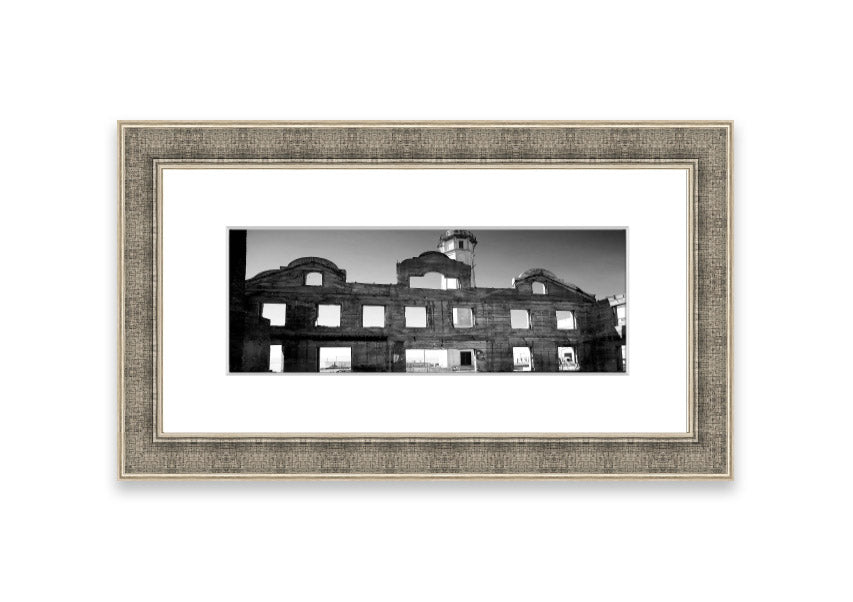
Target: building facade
{"x":306,"y":317}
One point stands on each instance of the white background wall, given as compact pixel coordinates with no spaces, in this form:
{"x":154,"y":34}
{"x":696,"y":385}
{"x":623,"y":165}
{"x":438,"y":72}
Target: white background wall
{"x":780,"y":531}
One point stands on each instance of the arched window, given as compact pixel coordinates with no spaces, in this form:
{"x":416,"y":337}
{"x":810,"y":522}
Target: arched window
{"x":539,"y":288}
{"x":314,"y":279}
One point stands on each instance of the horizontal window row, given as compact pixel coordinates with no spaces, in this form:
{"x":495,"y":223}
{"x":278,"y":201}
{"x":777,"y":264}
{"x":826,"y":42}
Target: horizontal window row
{"x":373,"y":316}
{"x":430,"y":280}
{"x":520,"y":319}
{"x":339,"y":359}
{"x":522,"y":360}
{"x":441,"y":360}
{"x":332,"y":359}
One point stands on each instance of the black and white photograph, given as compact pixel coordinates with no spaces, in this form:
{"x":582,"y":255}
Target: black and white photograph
{"x":427,"y":300}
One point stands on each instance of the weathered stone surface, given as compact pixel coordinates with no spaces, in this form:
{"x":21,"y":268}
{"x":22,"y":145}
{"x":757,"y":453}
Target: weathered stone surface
{"x":375,"y":349}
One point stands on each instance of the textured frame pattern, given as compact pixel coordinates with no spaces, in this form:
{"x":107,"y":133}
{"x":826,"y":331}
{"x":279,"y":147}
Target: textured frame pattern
{"x":706,"y":455}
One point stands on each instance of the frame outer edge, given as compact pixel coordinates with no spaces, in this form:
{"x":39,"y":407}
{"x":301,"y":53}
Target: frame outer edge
{"x":121,"y":298}
{"x":122,"y":126}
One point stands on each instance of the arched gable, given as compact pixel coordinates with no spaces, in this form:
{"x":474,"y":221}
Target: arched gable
{"x":433,"y":261}
{"x":523,"y":283}
{"x":296,"y":272}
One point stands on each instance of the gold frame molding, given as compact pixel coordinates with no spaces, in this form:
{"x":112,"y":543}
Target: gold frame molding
{"x":140,"y":406}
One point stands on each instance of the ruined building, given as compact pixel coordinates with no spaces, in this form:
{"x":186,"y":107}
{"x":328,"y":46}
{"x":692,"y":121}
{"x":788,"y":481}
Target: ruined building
{"x":306,"y":317}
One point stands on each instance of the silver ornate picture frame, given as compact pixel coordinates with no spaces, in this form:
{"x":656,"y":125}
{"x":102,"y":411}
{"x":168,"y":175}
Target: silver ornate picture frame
{"x":703,"y":149}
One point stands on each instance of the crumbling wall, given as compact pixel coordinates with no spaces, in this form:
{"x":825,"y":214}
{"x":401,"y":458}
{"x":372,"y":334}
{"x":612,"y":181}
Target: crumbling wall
{"x":295,"y":273}
{"x":256,"y":344}
{"x":237,"y":313}
{"x":605,"y":354}
{"x":492,"y":337}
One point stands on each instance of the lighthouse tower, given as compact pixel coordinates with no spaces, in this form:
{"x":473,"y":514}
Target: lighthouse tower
{"x":459,"y":245}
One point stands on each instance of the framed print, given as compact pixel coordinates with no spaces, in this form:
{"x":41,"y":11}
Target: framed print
{"x":430,"y":300}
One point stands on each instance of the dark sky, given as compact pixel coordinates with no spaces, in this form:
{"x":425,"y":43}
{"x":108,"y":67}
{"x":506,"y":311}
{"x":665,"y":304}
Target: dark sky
{"x":594,"y":260}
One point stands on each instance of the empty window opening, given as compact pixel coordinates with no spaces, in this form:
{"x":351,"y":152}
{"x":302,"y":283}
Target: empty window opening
{"x":335,"y":359}
{"x":539,"y":288}
{"x":565,"y":320}
{"x":521,"y":359}
{"x":429,"y":280}
{"x":624,"y":359}
{"x":434,"y":280}
{"x":462,"y":360}
{"x":276,"y":358}
{"x":373,"y":316}
{"x":314,"y":279}
{"x":416,"y":317}
{"x":519,"y":318}
{"x":463,"y":317}
{"x":427,"y":360}
{"x":276,"y":313}
{"x":440,"y":360}
{"x":328,"y":315}
{"x":568,"y":359}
